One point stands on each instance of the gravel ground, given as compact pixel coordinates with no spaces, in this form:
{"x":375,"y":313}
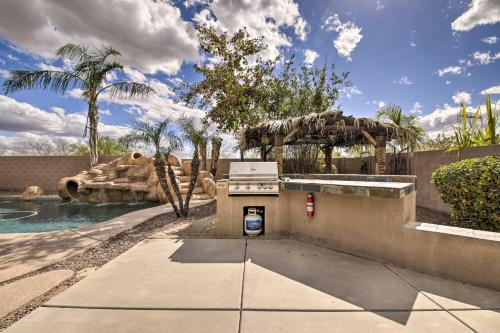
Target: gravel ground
{"x":424,"y":215}
{"x":93,"y":258}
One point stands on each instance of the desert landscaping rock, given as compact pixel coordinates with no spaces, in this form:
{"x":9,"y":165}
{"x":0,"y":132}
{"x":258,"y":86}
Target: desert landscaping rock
{"x":31,"y":193}
{"x":20,"y":292}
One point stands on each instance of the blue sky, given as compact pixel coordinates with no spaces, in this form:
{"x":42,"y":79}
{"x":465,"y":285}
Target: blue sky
{"x":426,"y":56}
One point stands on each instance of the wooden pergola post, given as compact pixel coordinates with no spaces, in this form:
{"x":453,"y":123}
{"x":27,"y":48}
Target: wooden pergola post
{"x":327,"y":150}
{"x":380,"y":157}
{"x":263,"y":153}
{"x":278,"y":152}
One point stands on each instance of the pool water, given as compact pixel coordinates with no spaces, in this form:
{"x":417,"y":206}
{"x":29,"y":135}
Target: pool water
{"x":50,"y":215}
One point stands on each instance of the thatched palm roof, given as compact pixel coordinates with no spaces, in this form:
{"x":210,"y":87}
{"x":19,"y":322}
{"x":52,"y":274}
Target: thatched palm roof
{"x":329,"y":128}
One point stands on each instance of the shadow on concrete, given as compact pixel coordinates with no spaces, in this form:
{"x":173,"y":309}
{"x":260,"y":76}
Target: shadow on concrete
{"x":357,"y":283}
{"x":23,"y":253}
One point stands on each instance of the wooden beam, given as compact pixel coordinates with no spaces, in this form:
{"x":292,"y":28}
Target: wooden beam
{"x":290,"y":135}
{"x":370,"y":138}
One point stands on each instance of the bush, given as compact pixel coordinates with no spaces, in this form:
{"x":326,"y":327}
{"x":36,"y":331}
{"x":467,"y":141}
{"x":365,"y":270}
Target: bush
{"x":472,"y":190}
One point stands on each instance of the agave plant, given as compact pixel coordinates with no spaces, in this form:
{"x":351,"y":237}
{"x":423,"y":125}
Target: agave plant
{"x":473,"y":133}
{"x":165,"y":142}
{"x":91,"y":71}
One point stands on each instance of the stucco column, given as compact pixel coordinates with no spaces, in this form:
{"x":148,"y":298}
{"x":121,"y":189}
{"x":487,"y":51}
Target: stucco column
{"x":380,"y":156}
{"x":278,"y":153}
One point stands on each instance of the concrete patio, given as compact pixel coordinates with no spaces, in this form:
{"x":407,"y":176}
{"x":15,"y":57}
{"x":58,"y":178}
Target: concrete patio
{"x":174,"y":284}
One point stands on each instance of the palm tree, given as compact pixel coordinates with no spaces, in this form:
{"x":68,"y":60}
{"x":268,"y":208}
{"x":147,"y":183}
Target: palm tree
{"x":196,"y":136}
{"x":216,"y":142}
{"x":165,"y":142}
{"x":410,"y":133}
{"x":91,"y":70}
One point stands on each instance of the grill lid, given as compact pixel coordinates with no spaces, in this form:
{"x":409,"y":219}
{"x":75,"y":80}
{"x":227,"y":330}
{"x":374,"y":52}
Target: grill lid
{"x":253,"y":171}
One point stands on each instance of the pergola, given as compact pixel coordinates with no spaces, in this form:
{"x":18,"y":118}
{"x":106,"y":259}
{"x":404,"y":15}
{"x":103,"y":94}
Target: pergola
{"x":328,"y":129}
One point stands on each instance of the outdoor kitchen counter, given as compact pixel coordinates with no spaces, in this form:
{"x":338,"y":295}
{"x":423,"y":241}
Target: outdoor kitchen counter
{"x":352,"y":188}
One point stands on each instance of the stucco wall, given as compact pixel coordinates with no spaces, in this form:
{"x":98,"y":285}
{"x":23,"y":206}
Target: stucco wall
{"x":375,"y":227}
{"x":19,"y":172}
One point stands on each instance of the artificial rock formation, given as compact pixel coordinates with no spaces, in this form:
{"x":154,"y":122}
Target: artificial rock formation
{"x":31,"y":193}
{"x":132,"y":178}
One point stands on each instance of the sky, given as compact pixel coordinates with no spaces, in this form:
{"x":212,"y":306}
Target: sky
{"x":427,"y":56}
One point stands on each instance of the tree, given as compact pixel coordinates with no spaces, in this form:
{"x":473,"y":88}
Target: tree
{"x":301,"y":91}
{"x":105,"y":146}
{"x":91,"y":71}
{"x":232,"y":89}
{"x":410,"y":133}
{"x":165,"y":142}
{"x":196,"y":136}
{"x":440,"y":142}
{"x":216,"y":143}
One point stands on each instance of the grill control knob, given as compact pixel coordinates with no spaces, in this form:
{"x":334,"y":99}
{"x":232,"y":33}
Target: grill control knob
{"x":236,"y":187}
{"x":259,"y":186}
{"x":248,"y":186}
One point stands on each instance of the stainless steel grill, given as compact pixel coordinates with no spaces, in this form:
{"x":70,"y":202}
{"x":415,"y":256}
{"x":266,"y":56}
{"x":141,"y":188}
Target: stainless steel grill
{"x":253,"y":178}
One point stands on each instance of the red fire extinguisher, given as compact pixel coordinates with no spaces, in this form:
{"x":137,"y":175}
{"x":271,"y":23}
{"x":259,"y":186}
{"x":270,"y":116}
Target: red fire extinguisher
{"x":310,"y":205}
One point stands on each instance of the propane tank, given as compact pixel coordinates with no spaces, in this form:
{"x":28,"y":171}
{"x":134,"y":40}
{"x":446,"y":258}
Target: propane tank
{"x":310,"y":205}
{"x":252,"y":222}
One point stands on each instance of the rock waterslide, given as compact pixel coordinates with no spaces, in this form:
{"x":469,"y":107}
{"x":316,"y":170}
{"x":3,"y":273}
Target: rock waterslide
{"x":132,"y":178}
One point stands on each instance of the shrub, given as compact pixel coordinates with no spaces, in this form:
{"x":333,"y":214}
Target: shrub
{"x":472,"y":190}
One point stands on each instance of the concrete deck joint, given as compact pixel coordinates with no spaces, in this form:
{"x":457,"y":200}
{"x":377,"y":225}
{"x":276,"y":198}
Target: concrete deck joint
{"x":242,"y":285}
{"x":430,"y":299}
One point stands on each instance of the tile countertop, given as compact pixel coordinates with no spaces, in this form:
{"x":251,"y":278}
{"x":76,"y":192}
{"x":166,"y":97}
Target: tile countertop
{"x":354,"y":188}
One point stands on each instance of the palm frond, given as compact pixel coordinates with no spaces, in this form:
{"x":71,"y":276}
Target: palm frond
{"x":73,"y":52}
{"x":56,"y":81}
{"x":104,"y":52}
{"x":128,"y":90}
{"x":109,"y":66}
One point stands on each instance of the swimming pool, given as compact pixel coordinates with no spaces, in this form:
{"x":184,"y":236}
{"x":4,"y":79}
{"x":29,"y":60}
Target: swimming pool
{"x":50,"y":215}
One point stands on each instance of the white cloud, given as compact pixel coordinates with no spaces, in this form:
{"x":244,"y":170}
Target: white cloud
{"x":24,"y":117}
{"x":404,"y":80}
{"x":490,"y":40}
{"x":441,"y":119}
{"x":150,"y":34}
{"x":480,"y":12}
{"x":448,"y":82}
{"x":4,"y":73}
{"x":260,"y":17}
{"x":351,"y":91}
{"x":26,"y":143}
{"x":455,"y":70}
{"x":485,"y":58}
{"x":310,"y":56}
{"x":380,"y":5}
{"x":156,"y":107}
{"x":349,"y":35}
{"x":412,"y":38}
{"x":11,"y":57}
{"x":416,"y":108}
{"x":48,"y":67}
{"x":461,"y":96}
{"x":491,"y":91}
{"x":381,"y":104}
